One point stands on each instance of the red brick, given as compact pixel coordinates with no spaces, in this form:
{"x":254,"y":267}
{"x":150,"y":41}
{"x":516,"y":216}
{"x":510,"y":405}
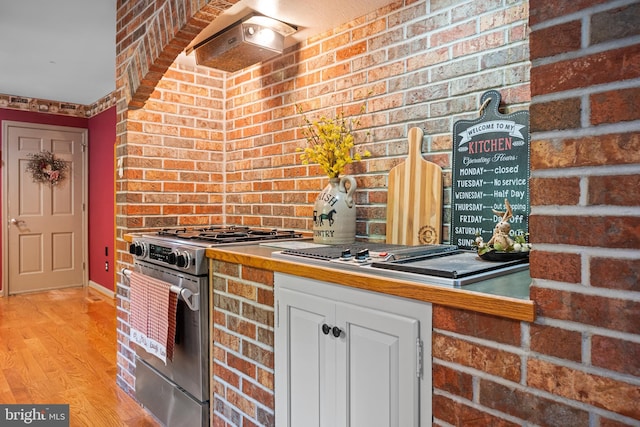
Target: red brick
{"x":452,"y":34}
{"x":260,"y":355}
{"x":554,"y":191}
{"x":225,"y":303}
{"x":598,"y":68}
{"x":265,"y":296}
{"x":594,"y":231}
{"x":240,"y":401}
{"x":265,"y":418}
{"x":490,"y":360}
{"x":461,"y":415}
{"x":609,"y":313}
{"x":266,"y":378}
{"x":243,"y":365}
{"x":370,"y":29}
{"x":519,"y":12}
{"x":542,"y":10}
{"x":257,"y":275}
{"x":479,"y":325}
{"x":556,"y":342}
{"x":242,"y":290}
{"x":616,"y":354}
{"x":226,"y":268}
{"x":259,"y":315}
{"x":615,"y":273}
{"x":603,"y":392}
{"x":480,"y":43}
{"x":263,"y":396}
{"x":561,"y":267}
{"x":615,"y":24}
{"x":611,"y":149}
{"x":242,"y":327}
{"x":134,"y":210}
{"x":527,"y":406}
{"x":554,"y":40}
{"x":452,"y":381}
{"x":615,"y":106}
{"x":605,"y":422}
{"x":555,"y":115}
{"x":335,"y":42}
{"x":226,"y":375}
{"x":176,"y":210}
{"x":225,"y":339}
{"x":617,"y":190}
{"x":265,"y":336}
{"x":351,"y":51}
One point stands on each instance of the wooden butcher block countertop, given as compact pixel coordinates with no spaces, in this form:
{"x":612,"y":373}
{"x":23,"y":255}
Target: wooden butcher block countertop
{"x":511,"y":303}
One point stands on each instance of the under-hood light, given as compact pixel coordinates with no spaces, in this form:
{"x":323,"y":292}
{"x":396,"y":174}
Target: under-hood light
{"x":254,"y":39}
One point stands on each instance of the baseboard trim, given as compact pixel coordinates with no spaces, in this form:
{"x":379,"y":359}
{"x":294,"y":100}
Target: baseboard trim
{"x":102,"y":289}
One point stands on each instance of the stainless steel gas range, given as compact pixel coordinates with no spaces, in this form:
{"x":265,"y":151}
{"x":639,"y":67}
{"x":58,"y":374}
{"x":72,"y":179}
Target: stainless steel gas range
{"x":177,"y":393}
{"x":432,"y":264}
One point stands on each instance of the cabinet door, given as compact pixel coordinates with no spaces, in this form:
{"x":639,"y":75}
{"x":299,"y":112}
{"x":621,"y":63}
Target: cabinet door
{"x":305,"y":361}
{"x":377,"y":357}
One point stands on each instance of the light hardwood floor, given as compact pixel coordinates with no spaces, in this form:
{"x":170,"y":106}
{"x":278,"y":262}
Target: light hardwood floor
{"x":60,"y":347}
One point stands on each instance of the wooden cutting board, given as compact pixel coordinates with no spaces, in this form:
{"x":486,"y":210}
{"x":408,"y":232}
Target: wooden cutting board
{"x":414,"y":199}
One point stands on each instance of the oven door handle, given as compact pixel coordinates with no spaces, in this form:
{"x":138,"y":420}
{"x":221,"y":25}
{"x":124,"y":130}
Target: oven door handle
{"x":192,"y":300}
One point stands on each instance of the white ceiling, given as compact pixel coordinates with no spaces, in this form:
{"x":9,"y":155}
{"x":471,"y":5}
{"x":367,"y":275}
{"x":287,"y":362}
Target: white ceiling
{"x":64,"y":50}
{"x":60,"y":50}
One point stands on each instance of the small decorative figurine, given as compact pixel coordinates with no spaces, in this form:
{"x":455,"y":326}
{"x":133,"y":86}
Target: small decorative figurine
{"x":500,"y":239}
{"x":501,"y":246}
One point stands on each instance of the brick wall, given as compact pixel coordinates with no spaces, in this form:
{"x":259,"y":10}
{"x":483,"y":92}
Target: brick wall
{"x":169,"y":135}
{"x":197,"y":146}
{"x":412,"y":64}
{"x":426,"y":64}
{"x":243,"y":358}
{"x":585,"y":160}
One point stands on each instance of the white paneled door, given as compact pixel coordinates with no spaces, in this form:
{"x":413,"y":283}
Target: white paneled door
{"x":45,"y":224}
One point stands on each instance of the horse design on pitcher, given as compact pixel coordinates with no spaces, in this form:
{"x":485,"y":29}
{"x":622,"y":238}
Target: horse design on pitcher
{"x":319,"y":220}
{"x":334,"y":212}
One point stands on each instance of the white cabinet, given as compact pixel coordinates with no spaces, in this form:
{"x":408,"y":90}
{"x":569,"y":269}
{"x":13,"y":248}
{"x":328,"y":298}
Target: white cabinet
{"x":350,"y":358}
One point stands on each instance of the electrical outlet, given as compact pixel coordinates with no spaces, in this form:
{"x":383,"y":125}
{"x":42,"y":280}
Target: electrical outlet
{"x":106,"y":266}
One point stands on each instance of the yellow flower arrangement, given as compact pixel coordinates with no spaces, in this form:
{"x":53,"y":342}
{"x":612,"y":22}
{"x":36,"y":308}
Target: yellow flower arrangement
{"x":331,"y":142}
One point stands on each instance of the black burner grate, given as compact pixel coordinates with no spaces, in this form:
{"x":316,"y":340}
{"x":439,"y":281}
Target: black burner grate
{"x":328,"y":253}
{"x":228,"y":234}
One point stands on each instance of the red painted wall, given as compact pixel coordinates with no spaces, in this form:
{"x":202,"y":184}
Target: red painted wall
{"x":102,"y":133}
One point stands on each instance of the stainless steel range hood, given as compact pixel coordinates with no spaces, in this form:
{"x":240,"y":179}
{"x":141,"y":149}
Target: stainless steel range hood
{"x":252,"y":40}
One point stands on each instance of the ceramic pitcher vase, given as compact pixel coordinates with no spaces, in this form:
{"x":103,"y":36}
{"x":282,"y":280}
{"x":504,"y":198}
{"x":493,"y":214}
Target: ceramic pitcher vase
{"x":334,"y":212}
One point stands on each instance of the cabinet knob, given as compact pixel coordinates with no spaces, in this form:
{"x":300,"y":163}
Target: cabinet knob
{"x":326,"y":329}
{"x":336,"y":331}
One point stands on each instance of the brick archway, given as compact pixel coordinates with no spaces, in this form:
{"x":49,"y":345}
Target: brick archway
{"x":150,"y":36}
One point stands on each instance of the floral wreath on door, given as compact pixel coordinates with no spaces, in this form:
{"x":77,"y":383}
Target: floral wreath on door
{"x":45,"y":167}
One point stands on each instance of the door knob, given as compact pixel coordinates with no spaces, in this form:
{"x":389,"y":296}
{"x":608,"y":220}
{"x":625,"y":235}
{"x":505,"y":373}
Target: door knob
{"x":326,"y":329}
{"x":336,"y":331}
{"x":16,"y":221}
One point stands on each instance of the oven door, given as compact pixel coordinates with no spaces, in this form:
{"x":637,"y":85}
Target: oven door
{"x":189,"y":368}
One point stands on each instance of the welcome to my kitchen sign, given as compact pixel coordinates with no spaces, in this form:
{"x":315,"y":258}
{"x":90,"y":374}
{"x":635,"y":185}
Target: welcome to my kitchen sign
{"x":490,"y":164}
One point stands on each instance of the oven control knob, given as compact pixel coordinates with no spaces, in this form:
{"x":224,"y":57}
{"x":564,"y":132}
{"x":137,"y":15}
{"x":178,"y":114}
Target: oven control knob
{"x":138,"y":249}
{"x":183,"y":260}
{"x":362,"y":255}
{"x":172,"y":258}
